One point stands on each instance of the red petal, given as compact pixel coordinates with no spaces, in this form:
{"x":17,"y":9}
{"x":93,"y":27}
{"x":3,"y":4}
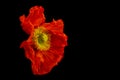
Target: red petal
{"x":26,"y":25}
{"x":55,"y":26}
{"x":58,"y":25}
{"x":36,"y":15}
{"x":50,"y":59}
{"x":29,"y":52}
{"x":33,"y":20}
{"x":58,"y":40}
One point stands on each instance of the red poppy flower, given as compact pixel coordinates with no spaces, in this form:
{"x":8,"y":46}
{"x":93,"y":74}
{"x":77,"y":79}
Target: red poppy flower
{"x":46,"y":42}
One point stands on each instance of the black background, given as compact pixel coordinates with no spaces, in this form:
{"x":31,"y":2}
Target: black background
{"x":80,"y":20}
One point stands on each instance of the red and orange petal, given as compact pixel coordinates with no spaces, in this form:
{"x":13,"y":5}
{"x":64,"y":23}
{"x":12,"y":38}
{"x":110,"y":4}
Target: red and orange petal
{"x":55,"y":26}
{"x":36,"y":16}
{"x":50,"y":59}
{"x":43,"y":61}
{"x":33,"y":20}
{"x":29,"y":51}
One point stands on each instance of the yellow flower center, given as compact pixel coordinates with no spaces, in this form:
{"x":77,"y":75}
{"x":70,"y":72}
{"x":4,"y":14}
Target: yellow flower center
{"x":41,"y":39}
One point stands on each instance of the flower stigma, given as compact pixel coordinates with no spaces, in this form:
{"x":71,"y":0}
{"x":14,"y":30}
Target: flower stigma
{"x":41,"y":39}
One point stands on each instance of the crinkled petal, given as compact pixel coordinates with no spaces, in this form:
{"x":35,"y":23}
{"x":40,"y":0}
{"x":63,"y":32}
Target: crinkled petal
{"x":33,"y":20}
{"x":36,"y":16}
{"x":46,"y":61}
{"x":26,"y":25}
{"x":58,"y":40}
{"x":54,"y":26}
{"x":29,"y":52}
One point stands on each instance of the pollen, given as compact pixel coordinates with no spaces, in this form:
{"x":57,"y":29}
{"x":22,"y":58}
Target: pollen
{"x":41,"y":39}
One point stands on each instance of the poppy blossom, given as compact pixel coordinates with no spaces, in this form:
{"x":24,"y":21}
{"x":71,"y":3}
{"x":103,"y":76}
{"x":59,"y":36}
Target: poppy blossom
{"x":46,"y":42}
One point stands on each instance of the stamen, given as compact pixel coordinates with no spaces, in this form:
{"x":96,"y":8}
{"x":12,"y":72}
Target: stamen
{"x":41,"y":39}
